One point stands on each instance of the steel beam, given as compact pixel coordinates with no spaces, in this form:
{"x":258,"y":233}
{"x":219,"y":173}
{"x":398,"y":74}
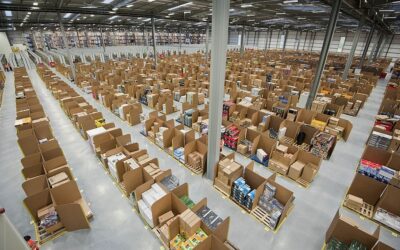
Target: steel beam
{"x":71,"y":61}
{"x":352,"y":50}
{"x":324,"y":52}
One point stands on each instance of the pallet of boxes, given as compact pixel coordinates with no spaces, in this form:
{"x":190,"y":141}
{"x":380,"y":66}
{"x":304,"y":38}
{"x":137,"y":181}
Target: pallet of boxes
{"x":227,"y":171}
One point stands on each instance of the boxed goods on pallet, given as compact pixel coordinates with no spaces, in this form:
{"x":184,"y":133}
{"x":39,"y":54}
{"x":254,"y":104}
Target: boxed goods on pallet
{"x":282,"y":157}
{"x":231,"y":136}
{"x":247,"y":138}
{"x":273,"y":204}
{"x":322,"y":145}
{"x":344,"y":233}
{"x":261,"y":152}
{"x":148,"y":200}
{"x":196,"y":156}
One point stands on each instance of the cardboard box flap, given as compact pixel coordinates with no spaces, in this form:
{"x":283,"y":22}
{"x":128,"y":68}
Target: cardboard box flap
{"x":54,"y":163}
{"x":66,"y":193}
{"x":33,"y":171}
{"x":366,"y":188}
{"x":72,"y":217}
{"x":38,"y":201}
{"x":29,"y":145}
{"x":123,"y":140}
{"x":35,"y":185}
{"x":133,"y":179}
{"x":32,"y":160}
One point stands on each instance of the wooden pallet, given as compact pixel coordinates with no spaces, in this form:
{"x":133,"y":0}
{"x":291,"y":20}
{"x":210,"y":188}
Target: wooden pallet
{"x":221,"y":191}
{"x":303,"y":182}
{"x":366,"y":210}
{"x":197,"y":170}
{"x":287,"y":140}
{"x":43,"y":236}
{"x":261,"y":215}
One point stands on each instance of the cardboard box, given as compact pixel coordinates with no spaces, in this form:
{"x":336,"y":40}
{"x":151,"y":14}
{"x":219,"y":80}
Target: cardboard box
{"x":296,"y":169}
{"x":61,"y":177}
{"x":243,"y":149}
{"x":165,"y":217}
{"x":354,"y":202}
{"x":41,"y":213}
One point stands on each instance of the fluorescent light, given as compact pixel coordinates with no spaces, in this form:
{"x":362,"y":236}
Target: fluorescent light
{"x":107,"y":1}
{"x":151,"y":1}
{"x":389,"y":17}
{"x":280,"y":13}
{"x":246,"y":5}
{"x":29,"y":13}
{"x":115,"y":9}
{"x":187,"y":12}
{"x":8,"y":13}
{"x":147,"y":19}
{"x":171,"y":14}
{"x":301,"y":18}
{"x":21,"y":24}
{"x":113,"y":17}
{"x":231,"y":10}
{"x":67,"y":15}
{"x":180,"y":6}
{"x":35,"y":3}
{"x":386,"y":10}
{"x":92,"y":15}
{"x":129,"y":5}
{"x":290,"y":1}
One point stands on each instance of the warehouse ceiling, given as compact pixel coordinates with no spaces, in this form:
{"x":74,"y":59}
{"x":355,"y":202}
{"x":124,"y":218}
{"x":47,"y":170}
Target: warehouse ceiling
{"x":192,"y":15}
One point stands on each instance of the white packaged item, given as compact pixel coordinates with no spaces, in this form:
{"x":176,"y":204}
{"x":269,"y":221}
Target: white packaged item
{"x":146,"y":212}
{"x":261,"y":155}
{"x":303,"y":99}
{"x":282,"y":132}
{"x":91,"y":133}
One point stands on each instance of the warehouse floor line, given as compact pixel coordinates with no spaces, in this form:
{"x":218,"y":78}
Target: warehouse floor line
{"x":114,"y":221}
{"x":12,"y":194}
{"x":314,"y":207}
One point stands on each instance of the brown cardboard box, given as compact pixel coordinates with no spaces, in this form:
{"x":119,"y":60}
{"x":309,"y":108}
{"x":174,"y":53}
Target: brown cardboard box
{"x":45,"y":210}
{"x":165,"y":217}
{"x":61,"y":177}
{"x":296,"y":170}
{"x":222,"y":186}
{"x":282,"y":148}
{"x":354,"y":202}
{"x":224,"y":179}
{"x":243,"y":149}
{"x":308,"y":173}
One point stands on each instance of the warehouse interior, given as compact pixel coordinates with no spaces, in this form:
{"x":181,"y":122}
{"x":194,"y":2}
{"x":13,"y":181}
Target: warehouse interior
{"x":212,"y":125}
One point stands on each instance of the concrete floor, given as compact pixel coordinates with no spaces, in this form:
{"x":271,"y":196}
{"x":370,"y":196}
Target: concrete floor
{"x":116,"y":226}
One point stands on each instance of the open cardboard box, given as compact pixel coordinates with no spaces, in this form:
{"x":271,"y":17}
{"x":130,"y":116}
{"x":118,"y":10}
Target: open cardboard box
{"x":346,"y":230}
{"x":32,"y":166}
{"x":250,"y":135}
{"x":223,"y":180}
{"x":50,"y":149}
{"x":309,"y":133}
{"x":29,"y":145}
{"x":389,"y":201}
{"x":35,"y":185}
{"x":71,"y":214}
{"x":376,"y":155}
{"x":273,"y":122}
{"x":265,"y":143}
{"x":305,"y":116}
{"x":280,"y":162}
{"x":292,"y":130}
{"x":200,"y":149}
{"x":369,"y":190}
{"x":311,"y":167}
{"x":54,"y":164}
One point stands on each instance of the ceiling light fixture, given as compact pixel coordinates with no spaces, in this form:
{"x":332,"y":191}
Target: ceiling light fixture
{"x":91,"y":15}
{"x":29,"y":13}
{"x":389,"y":17}
{"x":290,"y":1}
{"x":67,"y":15}
{"x":8,"y":13}
{"x":113,"y":17}
{"x":147,"y":19}
{"x":129,"y":5}
{"x":180,"y":6}
{"x":386,"y":10}
{"x":107,"y":1}
{"x":246,"y":5}
{"x":115,"y":9}
{"x":151,"y":1}
{"x":35,"y":3}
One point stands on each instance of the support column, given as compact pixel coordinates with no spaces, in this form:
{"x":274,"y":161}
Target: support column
{"x":372,"y":52}
{"x":367,"y":43}
{"x":258,"y":38}
{"x":284,"y":41}
{"x":352,"y":50}
{"x":180,"y":38}
{"x":71,"y":62}
{"x":102,"y":40}
{"x":242,"y":41}
{"x":305,"y":41}
{"x":325,"y":50}
{"x":207,"y":37}
{"x":278,"y":39}
{"x":378,"y":46}
{"x":390,"y":44}
{"x":270,"y":38}
{"x":153,"y":31}
{"x":266,"y":40}
{"x":384,"y":41}
{"x":313,"y":37}
{"x":220,"y":21}
{"x":299,"y":40}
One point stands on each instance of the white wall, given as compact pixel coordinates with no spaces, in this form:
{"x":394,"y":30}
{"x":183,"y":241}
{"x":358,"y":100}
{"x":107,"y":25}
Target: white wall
{"x":5,"y":47}
{"x":307,"y":42}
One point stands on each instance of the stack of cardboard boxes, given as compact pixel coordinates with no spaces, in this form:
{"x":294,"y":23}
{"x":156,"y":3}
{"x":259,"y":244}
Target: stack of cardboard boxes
{"x":228,"y":172}
{"x":282,"y":157}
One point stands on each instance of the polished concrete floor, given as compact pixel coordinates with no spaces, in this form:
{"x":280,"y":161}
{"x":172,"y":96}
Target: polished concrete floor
{"x":116,"y":226}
